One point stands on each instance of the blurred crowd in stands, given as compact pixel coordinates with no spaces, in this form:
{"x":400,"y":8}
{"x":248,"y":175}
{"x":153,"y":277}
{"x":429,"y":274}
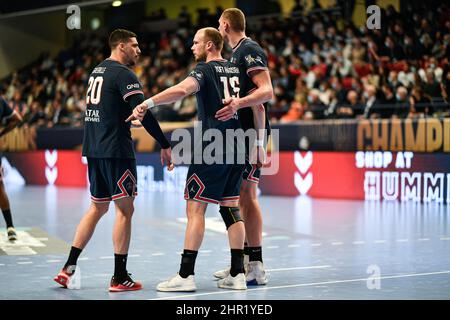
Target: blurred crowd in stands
{"x":322,"y":67}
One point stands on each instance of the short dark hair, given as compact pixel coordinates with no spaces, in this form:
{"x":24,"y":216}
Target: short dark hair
{"x":118,"y":36}
{"x":213,"y":35}
{"x":236,"y":18}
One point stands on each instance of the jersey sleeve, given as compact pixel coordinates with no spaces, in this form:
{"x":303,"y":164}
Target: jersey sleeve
{"x":254,"y":58}
{"x":128,"y":84}
{"x":199,"y":74}
{"x":5,"y":111}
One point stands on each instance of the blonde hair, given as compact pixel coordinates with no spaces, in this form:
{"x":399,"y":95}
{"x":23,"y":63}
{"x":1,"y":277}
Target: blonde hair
{"x":212,"y":34}
{"x":236,"y":18}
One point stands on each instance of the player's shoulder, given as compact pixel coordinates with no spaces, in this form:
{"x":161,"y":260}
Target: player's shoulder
{"x":249,"y":42}
{"x":202,"y":65}
{"x":248,"y":48}
{"x":109,"y":66}
{"x":250,"y":45}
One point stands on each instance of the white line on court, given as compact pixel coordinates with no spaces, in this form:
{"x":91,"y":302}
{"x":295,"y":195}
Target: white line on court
{"x":298,"y":268}
{"x":304,"y":285}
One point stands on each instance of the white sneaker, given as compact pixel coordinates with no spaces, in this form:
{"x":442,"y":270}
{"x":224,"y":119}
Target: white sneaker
{"x":222,"y":274}
{"x":235,"y":283}
{"x":256,"y":274}
{"x":177,"y":283}
{"x":12,"y":235}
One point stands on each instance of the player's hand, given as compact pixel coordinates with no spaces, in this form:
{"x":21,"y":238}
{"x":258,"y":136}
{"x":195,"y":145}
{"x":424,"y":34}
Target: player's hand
{"x":138,"y":112}
{"x":166,"y":158}
{"x":258,"y":156}
{"x":136,"y":124}
{"x":228,"y":111}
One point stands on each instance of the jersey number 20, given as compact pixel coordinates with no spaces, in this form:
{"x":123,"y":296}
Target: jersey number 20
{"x":94,"y":90}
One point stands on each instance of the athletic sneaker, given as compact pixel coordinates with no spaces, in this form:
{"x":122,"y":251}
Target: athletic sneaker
{"x":63,"y":277}
{"x":222,"y":274}
{"x":12,"y":235}
{"x":126,"y":284}
{"x":177,"y":283}
{"x":256,"y":274}
{"x":236,"y":283}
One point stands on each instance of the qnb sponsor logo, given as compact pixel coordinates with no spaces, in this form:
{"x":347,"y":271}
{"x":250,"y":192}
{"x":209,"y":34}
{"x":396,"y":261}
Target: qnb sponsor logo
{"x":133,"y":86}
{"x":303,"y":177}
{"x":401,"y":185}
{"x":51,"y":171}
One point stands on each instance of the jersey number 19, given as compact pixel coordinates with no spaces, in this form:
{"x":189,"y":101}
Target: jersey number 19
{"x":232,"y":82}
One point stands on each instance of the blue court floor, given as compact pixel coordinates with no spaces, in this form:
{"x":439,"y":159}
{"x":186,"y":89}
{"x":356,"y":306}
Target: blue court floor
{"x":313,"y":248}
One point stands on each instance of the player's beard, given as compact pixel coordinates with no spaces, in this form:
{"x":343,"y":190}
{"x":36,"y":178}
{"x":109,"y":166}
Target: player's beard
{"x":131,"y":62}
{"x":201,"y":57}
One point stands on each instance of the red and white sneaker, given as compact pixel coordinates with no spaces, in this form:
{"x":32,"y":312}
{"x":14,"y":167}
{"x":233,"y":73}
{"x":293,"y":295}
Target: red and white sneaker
{"x":127,"y":284}
{"x":63,"y":277}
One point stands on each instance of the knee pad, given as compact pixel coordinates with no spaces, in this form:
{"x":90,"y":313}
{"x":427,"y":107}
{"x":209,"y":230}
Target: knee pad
{"x":230,"y":215}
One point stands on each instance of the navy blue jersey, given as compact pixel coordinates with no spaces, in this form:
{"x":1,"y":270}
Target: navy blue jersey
{"x":106,"y":134}
{"x":5,"y":112}
{"x":248,"y":56}
{"x":217,"y":80}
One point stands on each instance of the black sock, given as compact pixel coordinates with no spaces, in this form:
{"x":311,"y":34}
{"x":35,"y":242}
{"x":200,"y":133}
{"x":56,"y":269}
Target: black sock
{"x":8,"y":218}
{"x":120,"y":266}
{"x":187,"y":263}
{"x":237,"y":262}
{"x":73,"y":257}
{"x":246,"y":249}
{"x":255,"y":253}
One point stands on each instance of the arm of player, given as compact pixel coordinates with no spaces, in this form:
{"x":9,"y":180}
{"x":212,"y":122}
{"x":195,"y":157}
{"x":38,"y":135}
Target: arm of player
{"x":11,"y":123}
{"x":151,"y":125}
{"x":262,"y":94}
{"x":177,"y":92}
{"x":258,"y":154}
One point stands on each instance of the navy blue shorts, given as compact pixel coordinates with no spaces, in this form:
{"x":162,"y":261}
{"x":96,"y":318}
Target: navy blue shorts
{"x":213,"y":183}
{"x":251,"y":172}
{"x":112,"y":179}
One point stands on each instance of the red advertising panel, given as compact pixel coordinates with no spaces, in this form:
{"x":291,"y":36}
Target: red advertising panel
{"x":61,"y":168}
{"x":378,"y":175}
